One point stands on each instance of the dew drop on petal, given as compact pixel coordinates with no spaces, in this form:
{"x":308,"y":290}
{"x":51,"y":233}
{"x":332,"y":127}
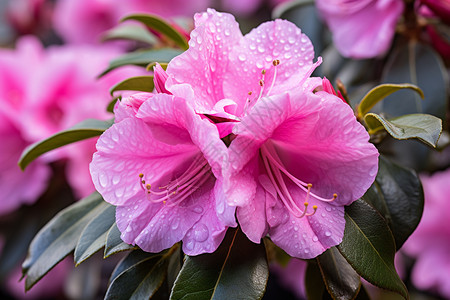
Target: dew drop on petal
{"x":220,"y":207}
{"x":128,"y":229}
{"x":116,"y":179}
{"x":261,"y":49}
{"x":175,"y":223}
{"x":190,"y":245}
{"x":201,"y":232}
{"x":227,"y":32}
{"x":242,"y":57}
{"x":291,"y":40}
{"x":328,"y":208}
{"x":306,"y":251}
{"x":103,"y":179}
{"x":198,"y":209}
{"x":315,"y":239}
{"x":252,"y":47}
{"x":327,"y":233}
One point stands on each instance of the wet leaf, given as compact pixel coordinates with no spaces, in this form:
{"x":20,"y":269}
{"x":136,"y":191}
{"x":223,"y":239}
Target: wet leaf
{"x":138,"y":83}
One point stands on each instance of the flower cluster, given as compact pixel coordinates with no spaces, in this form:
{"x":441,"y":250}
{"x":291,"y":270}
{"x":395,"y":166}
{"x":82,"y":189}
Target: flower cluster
{"x":237,"y":133}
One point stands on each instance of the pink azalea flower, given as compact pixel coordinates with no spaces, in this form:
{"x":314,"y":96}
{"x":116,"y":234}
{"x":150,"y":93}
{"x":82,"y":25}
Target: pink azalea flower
{"x":246,"y":7}
{"x":285,"y":137}
{"x":94,"y":17}
{"x":430,"y":243}
{"x":161,"y":165}
{"x":361,"y":28}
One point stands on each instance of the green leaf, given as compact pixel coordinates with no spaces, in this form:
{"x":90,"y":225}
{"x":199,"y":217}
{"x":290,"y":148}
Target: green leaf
{"x":380,"y":92}
{"x":420,"y":65}
{"x":283,"y":8}
{"x":59,"y":237}
{"x":83,"y":130}
{"x":142,"y":58}
{"x":398,"y":195}
{"x":342,"y":282}
{"x":130,"y":32}
{"x":158,"y":24}
{"x":426,"y":128}
{"x":369,"y":247}
{"x":238,"y":269}
{"x":114,"y":243}
{"x":93,"y":237}
{"x":314,"y":285}
{"x":138,"y":83}
{"x":139,"y":275}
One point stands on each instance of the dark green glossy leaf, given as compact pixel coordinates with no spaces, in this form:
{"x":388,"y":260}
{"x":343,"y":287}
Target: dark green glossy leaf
{"x":314,"y":285}
{"x":138,"y":83}
{"x":158,"y":24}
{"x":129,"y":32}
{"x":341,"y":280}
{"x":398,"y":195}
{"x":93,"y":237}
{"x":59,"y":237}
{"x":284,"y":8}
{"x":114,"y":243}
{"x":420,"y":65}
{"x":426,"y":128}
{"x":139,"y":275}
{"x":380,"y":92}
{"x":238,"y":269}
{"x":142,"y":58}
{"x":83,"y":130}
{"x":369,"y":247}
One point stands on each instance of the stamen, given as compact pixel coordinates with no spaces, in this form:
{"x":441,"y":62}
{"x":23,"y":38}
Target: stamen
{"x":180,"y":188}
{"x":275,"y":63}
{"x":275,"y":171}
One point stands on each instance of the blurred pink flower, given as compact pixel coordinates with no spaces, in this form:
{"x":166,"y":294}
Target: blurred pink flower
{"x":440,"y":8}
{"x":29,"y":16}
{"x":17,"y":187}
{"x":247,"y":7}
{"x":160,"y":164}
{"x":361,"y":28}
{"x":281,"y":131}
{"x":292,"y":276}
{"x":60,"y":91}
{"x":430,"y":243}
{"x":83,"y":21}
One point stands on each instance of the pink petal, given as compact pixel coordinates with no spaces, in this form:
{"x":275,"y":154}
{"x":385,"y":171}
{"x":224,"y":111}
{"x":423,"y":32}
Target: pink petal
{"x":213,"y":38}
{"x":276,"y":40}
{"x":361,"y":29}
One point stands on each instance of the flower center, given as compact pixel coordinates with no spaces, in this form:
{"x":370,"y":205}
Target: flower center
{"x":249,"y":101}
{"x":180,"y":188}
{"x":277,"y":174}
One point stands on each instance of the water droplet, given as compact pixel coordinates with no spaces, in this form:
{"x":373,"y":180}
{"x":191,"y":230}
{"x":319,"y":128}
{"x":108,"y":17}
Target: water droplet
{"x":327,"y":233}
{"x":261,"y":48}
{"x":328,"y":208}
{"x":323,"y":214}
{"x":114,"y":136}
{"x":116,"y":179}
{"x":220,"y":207}
{"x":189,"y":245}
{"x":212,"y":27}
{"x":315,"y":239}
{"x":295,"y":228}
{"x":227,"y":32}
{"x":252,"y":47}
{"x":306,"y":251}
{"x":287,"y":55}
{"x":128,"y":229}
{"x":119,"y":192}
{"x":199,"y":39}
{"x":175,"y":223}
{"x":198,"y":209}
{"x":103,"y":179}
{"x":242,"y":57}
{"x":291,"y":40}
{"x":136,"y":207}
{"x":201,"y":232}
{"x":259,"y":64}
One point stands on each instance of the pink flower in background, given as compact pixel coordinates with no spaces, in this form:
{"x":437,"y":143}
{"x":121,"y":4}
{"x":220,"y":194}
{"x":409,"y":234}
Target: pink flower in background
{"x":29,"y":16}
{"x":430,"y":243}
{"x":161,"y":164}
{"x":284,"y":136}
{"x":440,"y":8}
{"x":94,"y":17}
{"x":292,"y":276}
{"x":17,"y":187}
{"x":61,"y":91}
{"x":361,"y":28}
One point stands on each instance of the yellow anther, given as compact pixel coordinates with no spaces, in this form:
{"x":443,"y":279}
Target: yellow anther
{"x":261,"y":82}
{"x":141,"y":175}
{"x":263,"y":72}
{"x":249,"y":93}
{"x":148,"y":186}
{"x":164,"y":202}
{"x":276,"y":62}
{"x":315,"y":207}
{"x":309,"y":185}
{"x":306,"y":204}
{"x":334,"y":196}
